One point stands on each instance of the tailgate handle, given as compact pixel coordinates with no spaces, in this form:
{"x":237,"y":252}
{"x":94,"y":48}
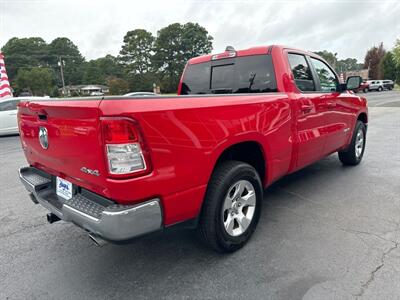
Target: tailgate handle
{"x":42,"y":117}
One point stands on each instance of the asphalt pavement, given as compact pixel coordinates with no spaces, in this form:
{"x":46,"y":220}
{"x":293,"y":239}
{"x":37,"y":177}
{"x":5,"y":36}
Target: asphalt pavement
{"x":326,"y":232}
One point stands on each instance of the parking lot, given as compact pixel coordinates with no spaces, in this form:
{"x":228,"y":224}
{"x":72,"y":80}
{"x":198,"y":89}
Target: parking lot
{"x":326,"y":232}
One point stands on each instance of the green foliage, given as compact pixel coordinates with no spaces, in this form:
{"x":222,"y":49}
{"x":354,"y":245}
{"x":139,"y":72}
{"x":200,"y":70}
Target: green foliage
{"x":38,"y":81}
{"x":29,"y":53}
{"x":144,"y":60}
{"x":136,"y":52}
{"x":118,"y":86}
{"x":342,"y":65}
{"x":136,"y":58}
{"x":391,"y":63}
{"x":396,"y":53}
{"x":373,"y":61}
{"x":24,"y":53}
{"x":390,"y":69}
{"x":174,"y":46}
{"x":143,"y":82}
{"x":65,"y":50}
{"x":348,"y":64}
{"x":97,"y":71}
{"x":328,"y":56}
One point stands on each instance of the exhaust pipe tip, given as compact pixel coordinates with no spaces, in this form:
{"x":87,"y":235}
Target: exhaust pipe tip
{"x":51,"y":218}
{"x":98,"y":241}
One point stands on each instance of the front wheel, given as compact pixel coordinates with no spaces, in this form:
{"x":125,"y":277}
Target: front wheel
{"x":232,"y":206}
{"x":355,"y":151}
{"x":380,"y":89}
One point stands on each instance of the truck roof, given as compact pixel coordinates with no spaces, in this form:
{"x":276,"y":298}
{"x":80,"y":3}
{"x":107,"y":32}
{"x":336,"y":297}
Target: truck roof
{"x":247,"y":52}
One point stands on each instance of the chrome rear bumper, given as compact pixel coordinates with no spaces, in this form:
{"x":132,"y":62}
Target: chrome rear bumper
{"x":96,"y":214}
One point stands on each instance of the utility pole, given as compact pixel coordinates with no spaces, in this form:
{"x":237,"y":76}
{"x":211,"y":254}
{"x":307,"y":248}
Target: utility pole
{"x":60,"y":63}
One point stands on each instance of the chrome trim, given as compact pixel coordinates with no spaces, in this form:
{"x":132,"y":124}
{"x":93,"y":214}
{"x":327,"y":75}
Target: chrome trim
{"x":79,"y":212}
{"x":116,"y":222}
{"x":126,"y":211}
{"x":43,"y":137}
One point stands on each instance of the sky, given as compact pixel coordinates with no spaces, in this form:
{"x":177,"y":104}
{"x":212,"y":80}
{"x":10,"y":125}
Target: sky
{"x":97,"y":27}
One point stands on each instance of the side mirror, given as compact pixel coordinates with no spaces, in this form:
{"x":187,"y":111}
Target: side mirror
{"x":353,"y":82}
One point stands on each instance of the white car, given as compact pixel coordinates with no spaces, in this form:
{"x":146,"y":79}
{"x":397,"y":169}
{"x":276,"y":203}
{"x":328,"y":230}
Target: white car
{"x":96,"y":94}
{"x":375,"y":85}
{"x":141,"y":94}
{"x":8,"y":114}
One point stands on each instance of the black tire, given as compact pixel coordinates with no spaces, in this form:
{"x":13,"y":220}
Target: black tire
{"x":365,"y":90}
{"x":211,"y":227}
{"x":380,"y":89}
{"x":349,"y":156}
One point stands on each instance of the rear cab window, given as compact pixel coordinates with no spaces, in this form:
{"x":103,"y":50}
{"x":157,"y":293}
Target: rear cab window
{"x":244,"y":74}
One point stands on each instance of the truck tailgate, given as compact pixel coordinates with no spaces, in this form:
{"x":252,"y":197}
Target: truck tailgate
{"x":74,"y":140}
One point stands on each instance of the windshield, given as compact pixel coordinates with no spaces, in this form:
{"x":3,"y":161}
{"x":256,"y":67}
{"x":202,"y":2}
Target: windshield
{"x":248,"y":74}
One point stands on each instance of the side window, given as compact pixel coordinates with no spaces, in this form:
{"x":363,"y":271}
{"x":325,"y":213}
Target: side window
{"x":301,"y":72}
{"x":327,"y":78}
{"x":8,"y":105}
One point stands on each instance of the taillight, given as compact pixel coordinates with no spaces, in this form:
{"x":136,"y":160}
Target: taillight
{"x":125,"y":149}
{"x":226,"y":54}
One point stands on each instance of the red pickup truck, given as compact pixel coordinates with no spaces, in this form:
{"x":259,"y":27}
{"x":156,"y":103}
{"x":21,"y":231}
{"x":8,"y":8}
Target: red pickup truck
{"x":121,"y":167}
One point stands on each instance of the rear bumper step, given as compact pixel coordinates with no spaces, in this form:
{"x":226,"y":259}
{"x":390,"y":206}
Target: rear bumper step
{"x":96,"y":214}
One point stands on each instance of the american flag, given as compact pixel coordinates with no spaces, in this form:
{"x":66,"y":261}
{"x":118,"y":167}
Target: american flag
{"x":5,"y":89}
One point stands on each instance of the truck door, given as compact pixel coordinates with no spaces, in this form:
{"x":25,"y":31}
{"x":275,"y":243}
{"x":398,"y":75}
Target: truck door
{"x":335,"y":104}
{"x":308,"y":113}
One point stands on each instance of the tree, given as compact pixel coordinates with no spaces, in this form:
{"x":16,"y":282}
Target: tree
{"x":39,"y":81}
{"x":118,"y":86}
{"x":64,"y":50}
{"x":97,"y":71}
{"x":348,"y":64}
{"x":328,"y":56}
{"x":174,"y":46}
{"x":24,"y":53}
{"x":136,"y":58}
{"x":373,"y":61}
{"x":396,"y":59}
{"x":137,"y":51}
{"x":390,"y":68}
{"x":396,"y":53}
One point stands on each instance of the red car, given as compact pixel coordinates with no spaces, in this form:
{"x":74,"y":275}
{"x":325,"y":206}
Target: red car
{"x":364,"y":87}
{"x":122,"y":167}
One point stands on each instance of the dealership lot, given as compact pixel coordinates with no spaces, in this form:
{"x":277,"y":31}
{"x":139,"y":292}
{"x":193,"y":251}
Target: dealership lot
{"x":326,"y":232}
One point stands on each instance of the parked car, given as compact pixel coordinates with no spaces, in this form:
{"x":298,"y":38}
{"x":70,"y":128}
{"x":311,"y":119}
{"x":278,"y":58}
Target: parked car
{"x":388,"y":84}
{"x":96,"y":93}
{"x":375,"y":85}
{"x":141,"y":94}
{"x":364,"y":86}
{"x":8,"y":114}
{"x":121,"y":167}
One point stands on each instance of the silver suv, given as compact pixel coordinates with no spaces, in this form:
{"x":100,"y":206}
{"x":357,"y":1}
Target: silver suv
{"x":375,"y":85}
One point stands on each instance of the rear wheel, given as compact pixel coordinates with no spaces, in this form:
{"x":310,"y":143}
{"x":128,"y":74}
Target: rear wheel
{"x":232,"y":206}
{"x":354,"y":153}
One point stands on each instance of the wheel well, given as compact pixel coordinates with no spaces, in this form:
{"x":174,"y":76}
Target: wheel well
{"x":363,"y":118}
{"x":248,"y":152}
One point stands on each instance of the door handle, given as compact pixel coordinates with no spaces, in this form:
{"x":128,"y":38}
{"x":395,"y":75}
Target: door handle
{"x":306,"y":108}
{"x":331,"y":104}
